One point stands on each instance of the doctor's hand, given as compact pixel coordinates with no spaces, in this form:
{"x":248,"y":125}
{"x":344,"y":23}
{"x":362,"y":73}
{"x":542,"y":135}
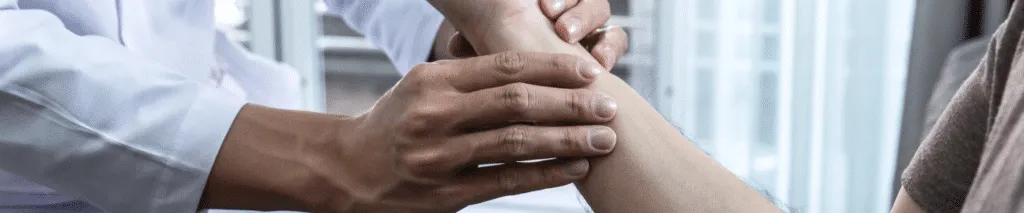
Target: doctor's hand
{"x":420,"y":145}
{"x":419,"y":148}
{"x":576,"y":21}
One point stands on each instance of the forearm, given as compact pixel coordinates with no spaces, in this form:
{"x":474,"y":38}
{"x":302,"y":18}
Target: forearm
{"x":442,"y":42}
{"x":264,"y":163}
{"x":656,"y":169}
{"x":653,"y":168}
{"x":905,"y":204}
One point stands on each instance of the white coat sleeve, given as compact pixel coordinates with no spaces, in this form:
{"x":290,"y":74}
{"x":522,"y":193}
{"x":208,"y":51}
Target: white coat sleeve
{"x":404,"y":29}
{"x":263,"y":81}
{"x":86,"y":117}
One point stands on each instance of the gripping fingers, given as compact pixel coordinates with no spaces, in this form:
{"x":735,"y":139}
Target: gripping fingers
{"x":522,"y":142}
{"x":516,"y":178}
{"x":585,"y":17}
{"x":607,"y":45}
{"x":515,"y":103}
{"x":544,"y":69}
{"x":554,"y":8}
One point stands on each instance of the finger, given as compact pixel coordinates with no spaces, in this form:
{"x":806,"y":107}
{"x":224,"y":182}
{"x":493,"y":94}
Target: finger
{"x":433,"y":162}
{"x":586,"y":17}
{"x":521,"y":102}
{"x":516,"y":178}
{"x":523,"y":142}
{"x":459,"y":47}
{"x":607,"y":45}
{"x":546,"y":69}
{"x":554,"y":8}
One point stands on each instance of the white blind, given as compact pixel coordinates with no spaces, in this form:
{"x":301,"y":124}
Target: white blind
{"x":802,"y":98}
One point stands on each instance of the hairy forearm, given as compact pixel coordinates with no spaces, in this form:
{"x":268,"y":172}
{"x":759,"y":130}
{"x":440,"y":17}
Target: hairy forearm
{"x":653,"y":168}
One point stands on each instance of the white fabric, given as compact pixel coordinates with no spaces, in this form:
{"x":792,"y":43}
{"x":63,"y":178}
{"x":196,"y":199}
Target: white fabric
{"x":105,"y":106}
{"x":404,"y":29}
{"x":125,"y":103}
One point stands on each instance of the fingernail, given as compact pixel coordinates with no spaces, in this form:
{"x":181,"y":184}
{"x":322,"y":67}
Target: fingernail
{"x":577,"y":168}
{"x":605,"y":106}
{"x":610,"y":57}
{"x":610,"y":62}
{"x":601,"y":138}
{"x":591,"y":71}
{"x":557,"y":5}
{"x":572,"y":26}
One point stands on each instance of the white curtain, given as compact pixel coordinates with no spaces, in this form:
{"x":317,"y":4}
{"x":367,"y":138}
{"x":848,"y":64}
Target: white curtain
{"x":801,"y":98}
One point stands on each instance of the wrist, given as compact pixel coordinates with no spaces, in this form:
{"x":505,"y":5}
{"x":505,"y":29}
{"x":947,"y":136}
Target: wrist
{"x":322,"y":186}
{"x":524,"y":29}
{"x":474,"y":19}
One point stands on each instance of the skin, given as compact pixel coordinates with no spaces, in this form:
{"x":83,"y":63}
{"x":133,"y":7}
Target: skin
{"x":905,"y":204}
{"x":653,"y":168}
{"x":604,"y":197}
{"x":418,"y":148}
{"x":574,"y":21}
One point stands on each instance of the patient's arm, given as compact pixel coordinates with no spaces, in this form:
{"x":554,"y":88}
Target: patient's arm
{"x":653,"y":168}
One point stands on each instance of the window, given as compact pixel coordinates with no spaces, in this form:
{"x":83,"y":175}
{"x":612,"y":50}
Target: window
{"x":770,"y":11}
{"x":705,"y":105}
{"x":708,"y":9}
{"x":707,"y":45}
{"x":807,"y":117}
{"x":770,"y":47}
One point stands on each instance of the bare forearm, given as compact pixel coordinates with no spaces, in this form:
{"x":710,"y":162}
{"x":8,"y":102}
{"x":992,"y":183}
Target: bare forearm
{"x":657,"y":169}
{"x":905,"y":204}
{"x":262,"y":164}
{"x":653,"y":168}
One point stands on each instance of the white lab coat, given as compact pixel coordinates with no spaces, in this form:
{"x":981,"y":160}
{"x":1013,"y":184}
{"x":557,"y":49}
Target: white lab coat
{"x":126,"y":102}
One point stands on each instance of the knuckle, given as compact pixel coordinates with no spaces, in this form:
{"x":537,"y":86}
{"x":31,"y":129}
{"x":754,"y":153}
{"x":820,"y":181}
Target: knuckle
{"x":416,"y":126}
{"x":444,"y":196}
{"x":576,"y":102}
{"x":516,"y":98}
{"x":567,"y":63}
{"x":421,"y":70}
{"x":423,"y":164}
{"x":513,"y":141}
{"x":417,"y":76}
{"x":422,"y":120}
{"x":448,"y":192}
{"x":554,"y":177}
{"x":573,"y":138}
{"x":509,"y":180}
{"x":510,"y":63}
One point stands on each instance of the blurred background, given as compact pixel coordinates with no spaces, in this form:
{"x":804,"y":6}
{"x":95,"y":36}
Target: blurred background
{"x":819,"y":102}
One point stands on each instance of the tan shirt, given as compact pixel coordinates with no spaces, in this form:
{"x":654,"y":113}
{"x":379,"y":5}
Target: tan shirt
{"x":973,"y":160}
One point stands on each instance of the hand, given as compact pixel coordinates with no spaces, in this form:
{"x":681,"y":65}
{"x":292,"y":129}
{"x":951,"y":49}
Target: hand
{"x":575,"y":18}
{"x":418,"y":148}
{"x":580,"y":21}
